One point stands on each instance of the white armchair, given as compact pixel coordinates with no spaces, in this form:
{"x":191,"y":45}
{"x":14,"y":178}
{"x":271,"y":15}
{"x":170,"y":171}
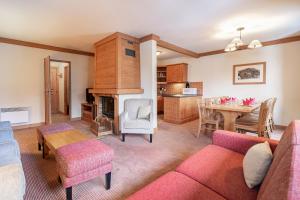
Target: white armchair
{"x":129,"y":121}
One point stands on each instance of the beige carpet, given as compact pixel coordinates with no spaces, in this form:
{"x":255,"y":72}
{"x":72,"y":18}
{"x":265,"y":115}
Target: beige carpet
{"x":136,"y":162}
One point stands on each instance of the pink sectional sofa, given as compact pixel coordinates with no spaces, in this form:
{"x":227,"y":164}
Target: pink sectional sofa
{"x":216,"y":172}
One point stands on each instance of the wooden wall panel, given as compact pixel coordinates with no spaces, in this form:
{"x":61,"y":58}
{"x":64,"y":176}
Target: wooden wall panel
{"x":129,"y":67}
{"x":106,"y":65}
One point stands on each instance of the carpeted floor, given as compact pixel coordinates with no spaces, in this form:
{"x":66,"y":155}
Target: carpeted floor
{"x":136,"y":162}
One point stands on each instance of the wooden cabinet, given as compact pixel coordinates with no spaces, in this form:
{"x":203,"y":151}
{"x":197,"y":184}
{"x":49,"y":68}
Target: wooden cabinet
{"x":180,"y":109}
{"x":160,"y":104}
{"x":161,"y":75}
{"x":117,"y":63}
{"x":177,"y":73}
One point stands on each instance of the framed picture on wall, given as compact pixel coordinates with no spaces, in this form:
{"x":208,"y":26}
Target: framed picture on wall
{"x":251,"y":73}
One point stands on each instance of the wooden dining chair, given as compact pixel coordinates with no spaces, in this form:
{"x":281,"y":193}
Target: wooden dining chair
{"x":255,"y":114}
{"x":260,"y":125}
{"x":206,"y":117}
{"x":271,"y":122}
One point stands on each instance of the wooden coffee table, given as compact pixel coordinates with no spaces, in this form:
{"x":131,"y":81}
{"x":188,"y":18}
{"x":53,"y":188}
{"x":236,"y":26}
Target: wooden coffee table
{"x":59,"y":139}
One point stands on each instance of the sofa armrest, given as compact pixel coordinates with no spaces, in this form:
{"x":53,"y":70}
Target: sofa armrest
{"x":238,"y":142}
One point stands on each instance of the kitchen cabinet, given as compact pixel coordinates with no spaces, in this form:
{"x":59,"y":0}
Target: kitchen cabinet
{"x":180,"y":109}
{"x":160,"y":104}
{"x":177,"y":73}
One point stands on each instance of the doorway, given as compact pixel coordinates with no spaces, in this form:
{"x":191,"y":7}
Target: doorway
{"x":58,"y":91}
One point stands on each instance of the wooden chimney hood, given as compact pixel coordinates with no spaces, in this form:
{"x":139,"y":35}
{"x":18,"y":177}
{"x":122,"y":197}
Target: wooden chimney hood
{"x":117,"y":65}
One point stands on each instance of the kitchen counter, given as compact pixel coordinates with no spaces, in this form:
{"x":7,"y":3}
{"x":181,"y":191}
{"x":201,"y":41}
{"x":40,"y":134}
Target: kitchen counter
{"x":179,"y":109}
{"x":180,"y":95}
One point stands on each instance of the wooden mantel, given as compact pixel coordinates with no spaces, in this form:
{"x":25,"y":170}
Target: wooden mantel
{"x":103,"y":91}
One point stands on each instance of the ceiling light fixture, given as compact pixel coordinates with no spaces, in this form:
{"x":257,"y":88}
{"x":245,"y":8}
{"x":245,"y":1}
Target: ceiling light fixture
{"x":158,"y":53}
{"x":237,"y":42}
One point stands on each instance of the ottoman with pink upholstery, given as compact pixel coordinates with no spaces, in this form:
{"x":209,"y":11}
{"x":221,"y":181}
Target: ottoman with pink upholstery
{"x":50,"y":129}
{"x":82,"y":161}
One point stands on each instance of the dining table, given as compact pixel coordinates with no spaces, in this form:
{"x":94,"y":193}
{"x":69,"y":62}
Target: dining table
{"x":231,"y":112}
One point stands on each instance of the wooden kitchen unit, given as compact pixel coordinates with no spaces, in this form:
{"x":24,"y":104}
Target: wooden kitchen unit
{"x":160,"y":104}
{"x":180,"y":109}
{"x":177,"y":73}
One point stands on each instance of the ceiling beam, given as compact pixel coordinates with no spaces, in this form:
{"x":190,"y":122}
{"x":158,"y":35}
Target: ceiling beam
{"x":267,"y":43}
{"x":150,"y":37}
{"x":160,"y":43}
{"x":44,"y":46}
{"x":177,"y":49}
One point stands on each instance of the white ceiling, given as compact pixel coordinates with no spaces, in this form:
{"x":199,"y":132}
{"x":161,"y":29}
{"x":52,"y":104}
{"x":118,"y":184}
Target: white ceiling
{"x":199,"y":25}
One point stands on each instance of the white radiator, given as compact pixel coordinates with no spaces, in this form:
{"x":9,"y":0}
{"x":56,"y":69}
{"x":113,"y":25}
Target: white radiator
{"x":16,"y":116}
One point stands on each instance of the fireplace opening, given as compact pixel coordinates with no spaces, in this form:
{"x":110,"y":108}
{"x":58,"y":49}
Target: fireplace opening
{"x":108,"y":106}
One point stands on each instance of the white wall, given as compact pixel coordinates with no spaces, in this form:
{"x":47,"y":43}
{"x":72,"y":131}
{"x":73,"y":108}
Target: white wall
{"x":148,"y":61}
{"x":22,"y":78}
{"x":283,"y":81}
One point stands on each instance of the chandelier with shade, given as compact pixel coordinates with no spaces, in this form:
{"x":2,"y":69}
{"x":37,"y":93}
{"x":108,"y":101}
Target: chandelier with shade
{"x":237,"y":42}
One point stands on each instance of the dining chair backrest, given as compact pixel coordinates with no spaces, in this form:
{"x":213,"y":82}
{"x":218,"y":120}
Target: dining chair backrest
{"x":264,"y":115}
{"x":204,"y":113}
{"x":274,"y":99}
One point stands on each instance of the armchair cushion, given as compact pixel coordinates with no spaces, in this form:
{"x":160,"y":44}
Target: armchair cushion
{"x":132,"y":106}
{"x":137,"y":124}
{"x":144,"y":112}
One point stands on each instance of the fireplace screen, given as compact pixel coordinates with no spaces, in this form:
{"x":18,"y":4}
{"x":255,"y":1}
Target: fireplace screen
{"x":108,"y":106}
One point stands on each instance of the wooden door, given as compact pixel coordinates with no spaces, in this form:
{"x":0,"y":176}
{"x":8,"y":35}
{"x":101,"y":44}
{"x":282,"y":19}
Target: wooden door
{"x":47,"y":90}
{"x":66,"y":90}
{"x":54,"y":89}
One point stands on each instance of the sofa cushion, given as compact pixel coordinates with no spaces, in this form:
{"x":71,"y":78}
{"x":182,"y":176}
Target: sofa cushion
{"x":256,"y":164}
{"x":6,"y":136}
{"x":81,"y":157}
{"x":9,"y":153}
{"x":219,"y":169}
{"x":5,"y":125}
{"x":283,"y":177}
{"x":175,"y":186}
{"x":12,"y":181}
{"x":137,"y":124}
